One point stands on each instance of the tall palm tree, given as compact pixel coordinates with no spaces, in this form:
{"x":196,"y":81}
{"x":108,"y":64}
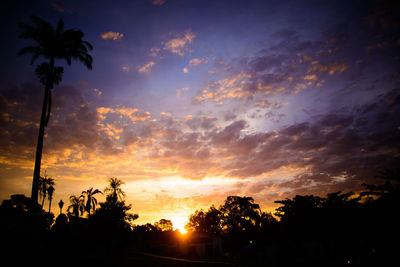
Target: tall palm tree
{"x":91,"y":201}
{"x":51,"y":44}
{"x":77,"y":205}
{"x":50,"y":192}
{"x":114,"y":189}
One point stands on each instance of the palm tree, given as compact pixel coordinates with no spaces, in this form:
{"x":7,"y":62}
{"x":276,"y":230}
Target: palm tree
{"x":51,"y":44}
{"x":114,"y":189}
{"x":77,"y":205}
{"x":50,"y":192}
{"x":91,"y":201}
{"x":44,"y":184}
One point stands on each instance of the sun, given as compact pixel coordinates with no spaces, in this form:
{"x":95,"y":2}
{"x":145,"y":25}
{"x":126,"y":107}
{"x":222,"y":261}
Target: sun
{"x":179,"y":224}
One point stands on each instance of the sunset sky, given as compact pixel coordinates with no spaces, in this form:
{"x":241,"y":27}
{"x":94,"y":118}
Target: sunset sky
{"x":189,"y":102}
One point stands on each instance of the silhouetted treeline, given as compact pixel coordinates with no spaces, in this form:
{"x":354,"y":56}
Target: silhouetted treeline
{"x":339,"y":229}
{"x":336,"y":230}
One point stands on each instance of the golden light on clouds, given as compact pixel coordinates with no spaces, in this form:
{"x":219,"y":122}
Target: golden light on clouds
{"x":178,"y":45}
{"x":147,"y":67}
{"x":110,"y":35}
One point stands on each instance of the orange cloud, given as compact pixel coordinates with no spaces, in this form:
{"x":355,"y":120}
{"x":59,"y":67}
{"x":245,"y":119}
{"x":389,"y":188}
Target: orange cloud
{"x":147,"y":67}
{"x":132,"y":113}
{"x":110,"y":35}
{"x":197,"y":61}
{"x":178,"y":45}
{"x":331,"y":68}
{"x":158,"y":2}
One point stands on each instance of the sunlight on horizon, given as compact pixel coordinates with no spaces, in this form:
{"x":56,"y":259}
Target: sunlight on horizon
{"x":179,"y":223}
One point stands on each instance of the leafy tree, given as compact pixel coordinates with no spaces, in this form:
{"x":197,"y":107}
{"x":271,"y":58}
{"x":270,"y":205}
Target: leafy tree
{"x":91,"y":201}
{"x":299,"y":209}
{"x":391,"y":184}
{"x":114,"y":189}
{"x":77,"y":205}
{"x":205,"y":222}
{"x":164,"y":225}
{"x":24,"y":228}
{"x":240,"y":214}
{"x":113,"y":212}
{"x":114,"y":215}
{"x":148,"y":227}
{"x":51,"y":44}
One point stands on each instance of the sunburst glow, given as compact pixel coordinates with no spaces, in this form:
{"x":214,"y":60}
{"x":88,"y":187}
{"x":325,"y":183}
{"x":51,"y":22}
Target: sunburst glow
{"x":179,"y":224}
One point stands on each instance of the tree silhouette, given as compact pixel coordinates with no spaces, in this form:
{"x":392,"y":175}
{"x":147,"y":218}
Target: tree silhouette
{"x":50,"y":192}
{"x":240,"y":214}
{"x":77,"y":205}
{"x":300,"y":209}
{"x":51,"y":43}
{"x":91,"y":201}
{"x":114,"y":189}
{"x":45,"y":182}
{"x":164,"y":225}
{"x":205,"y":222}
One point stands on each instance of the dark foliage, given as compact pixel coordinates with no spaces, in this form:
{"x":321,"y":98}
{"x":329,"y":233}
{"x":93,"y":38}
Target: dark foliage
{"x":337,"y":230}
{"x":24,"y":227}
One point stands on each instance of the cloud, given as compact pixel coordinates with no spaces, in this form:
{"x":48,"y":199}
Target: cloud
{"x":154,"y":51}
{"x":133,"y":114}
{"x":97,"y":92}
{"x":110,"y":35}
{"x":158,"y":2}
{"x":185,"y":70}
{"x":200,"y":122}
{"x":180,"y":91}
{"x":147,"y":67}
{"x":57,"y":7}
{"x":331,"y":68}
{"x":125,"y":68}
{"x":197,"y":61}
{"x":178,"y":45}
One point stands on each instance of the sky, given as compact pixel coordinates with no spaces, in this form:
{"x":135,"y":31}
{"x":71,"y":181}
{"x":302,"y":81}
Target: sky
{"x":189,"y":102}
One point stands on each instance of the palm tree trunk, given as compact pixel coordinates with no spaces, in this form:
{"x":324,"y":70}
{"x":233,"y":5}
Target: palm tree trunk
{"x":39,"y":147}
{"x":49,"y":204}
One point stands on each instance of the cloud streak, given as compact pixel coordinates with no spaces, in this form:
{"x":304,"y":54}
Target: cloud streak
{"x":110,"y":35}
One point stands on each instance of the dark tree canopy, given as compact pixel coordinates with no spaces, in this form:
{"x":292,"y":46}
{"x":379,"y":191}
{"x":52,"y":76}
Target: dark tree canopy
{"x":164,"y":225}
{"x":205,"y":222}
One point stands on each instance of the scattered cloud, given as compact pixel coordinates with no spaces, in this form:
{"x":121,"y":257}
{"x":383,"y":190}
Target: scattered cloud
{"x":125,"y":68}
{"x":57,"y":7}
{"x":180,"y":91}
{"x":185,"y":70}
{"x":158,"y":2}
{"x":331,"y":68}
{"x":178,"y":45}
{"x":147,"y":67}
{"x":110,"y":35}
{"x":97,"y":92}
{"x":154,"y":51}
{"x":197,"y":61}
{"x":132,"y":113}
